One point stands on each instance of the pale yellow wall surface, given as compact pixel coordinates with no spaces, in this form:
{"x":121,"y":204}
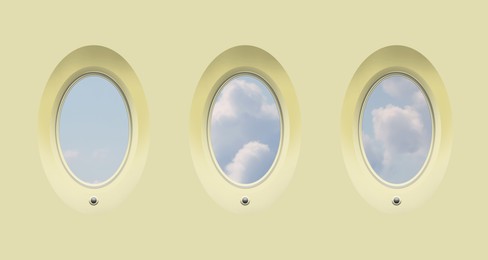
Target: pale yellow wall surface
{"x":169,"y":215}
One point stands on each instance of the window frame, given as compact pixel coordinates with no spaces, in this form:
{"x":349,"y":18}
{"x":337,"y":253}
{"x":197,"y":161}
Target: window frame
{"x":85,"y":60}
{"x":244,"y":59}
{"x":390,"y":59}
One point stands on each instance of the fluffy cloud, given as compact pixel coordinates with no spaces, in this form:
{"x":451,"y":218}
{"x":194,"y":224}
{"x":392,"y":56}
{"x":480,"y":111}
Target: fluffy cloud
{"x":399,"y":129}
{"x":400,"y":143}
{"x":241,"y":97}
{"x":249,"y":162}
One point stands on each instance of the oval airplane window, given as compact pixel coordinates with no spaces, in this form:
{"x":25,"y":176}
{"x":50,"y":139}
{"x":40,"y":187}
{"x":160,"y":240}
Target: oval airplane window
{"x":93,"y":129}
{"x":245,"y":129}
{"x":396,"y":129}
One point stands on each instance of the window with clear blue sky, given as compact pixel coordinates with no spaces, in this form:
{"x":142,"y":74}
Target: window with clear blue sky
{"x":93,"y":128}
{"x":245,"y":128}
{"x":397,"y":128}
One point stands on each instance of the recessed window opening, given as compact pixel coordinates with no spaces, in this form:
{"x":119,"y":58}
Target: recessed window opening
{"x":396,"y":128}
{"x":245,"y":129}
{"x":93,"y":129}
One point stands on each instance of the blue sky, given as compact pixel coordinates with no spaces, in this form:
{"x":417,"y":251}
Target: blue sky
{"x":396,"y":128}
{"x":245,"y":129}
{"x":94,"y":129}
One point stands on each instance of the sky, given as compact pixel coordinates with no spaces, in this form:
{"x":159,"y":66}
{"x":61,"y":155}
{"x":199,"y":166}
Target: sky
{"x":396,"y":129}
{"x":245,"y":129}
{"x":94,"y":129}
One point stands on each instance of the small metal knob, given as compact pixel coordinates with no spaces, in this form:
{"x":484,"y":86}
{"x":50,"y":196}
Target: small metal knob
{"x":396,"y":201}
{"x":93,"y":201}
{"x":245,"y":201}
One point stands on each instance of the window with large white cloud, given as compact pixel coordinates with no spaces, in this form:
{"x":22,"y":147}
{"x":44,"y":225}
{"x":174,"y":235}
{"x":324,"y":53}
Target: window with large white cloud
{"x":396,"y":128}
{"x":245,"y":129}
{"x":93,"y":129}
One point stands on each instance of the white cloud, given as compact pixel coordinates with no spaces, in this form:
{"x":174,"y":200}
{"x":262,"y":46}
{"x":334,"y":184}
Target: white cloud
{"x":400,"y":144}
{"x":405,"y":89}
{"x":399,"y":86}
{"x":269,"y":111}
{"x":400,"y":129}
{"x":250,"y":161}
{"x":240,"y":97}
{"x":71,"y":154}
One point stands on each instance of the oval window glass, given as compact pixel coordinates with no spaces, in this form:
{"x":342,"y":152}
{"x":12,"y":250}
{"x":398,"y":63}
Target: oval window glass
{"x":245,"y":129}
{"x":93,"y":129}
{"x":396,"y":128}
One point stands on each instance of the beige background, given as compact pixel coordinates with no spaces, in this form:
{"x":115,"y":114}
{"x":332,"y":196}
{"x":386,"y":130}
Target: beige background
{"x":169,"y":215}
